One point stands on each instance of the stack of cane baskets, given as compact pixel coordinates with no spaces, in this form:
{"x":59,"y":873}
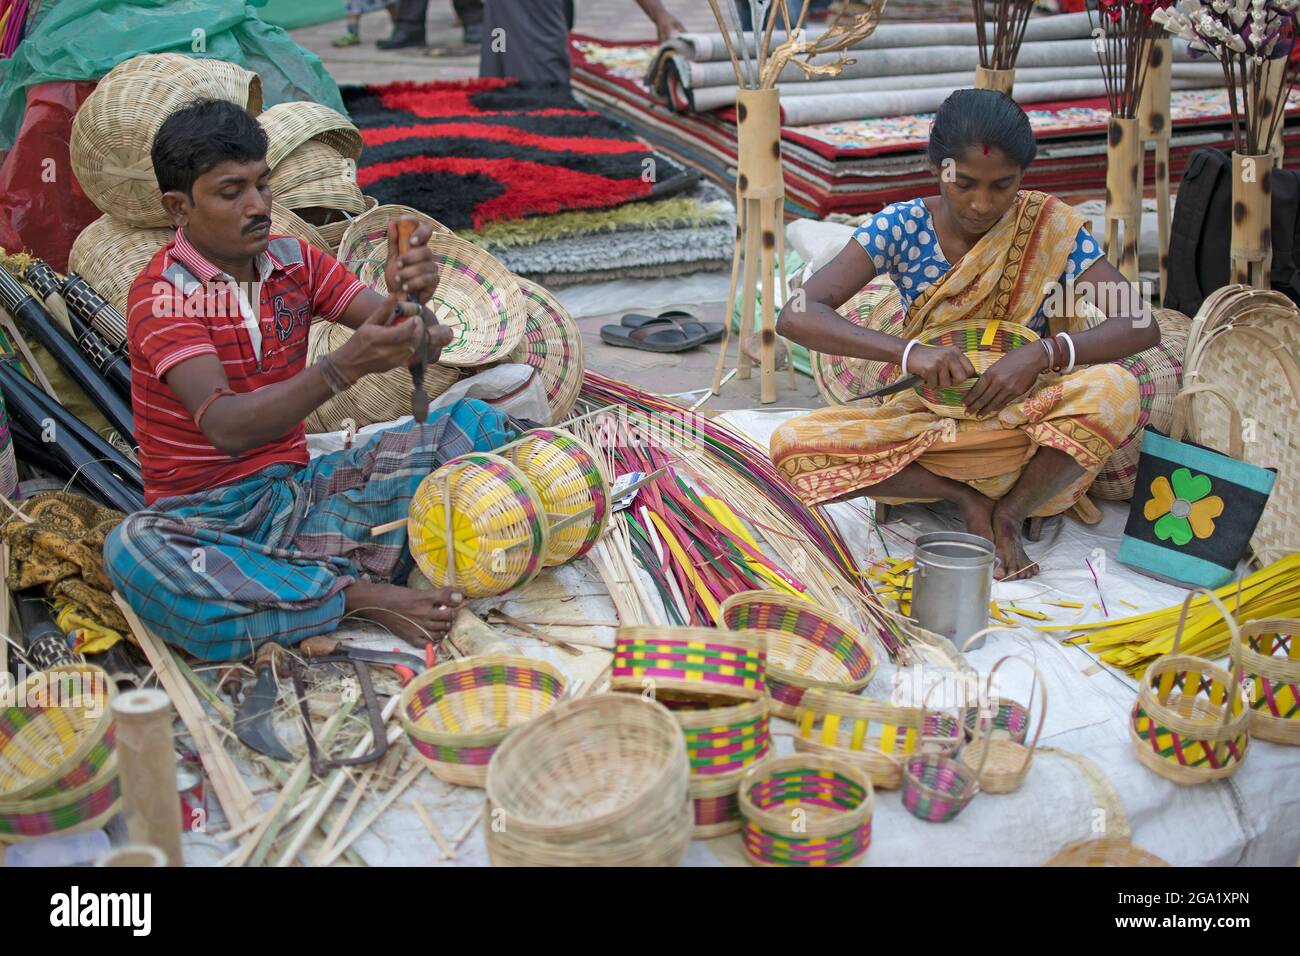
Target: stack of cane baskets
{"x":806,"y":810}
{"x":599,"y":781}
{"x":58,"y":762}
{"x":713,"y":683}
{"x":1268,"y":656}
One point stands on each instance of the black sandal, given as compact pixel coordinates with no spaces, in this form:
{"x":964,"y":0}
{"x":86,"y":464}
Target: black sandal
{"x":662,"y":336}
{"x":692,"y":325}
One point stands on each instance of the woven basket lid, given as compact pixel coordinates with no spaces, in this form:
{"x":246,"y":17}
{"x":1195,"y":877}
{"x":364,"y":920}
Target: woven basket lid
{"x":313,"y":174}
{"x":840,"y":378}
{"x":216,"y":78}
{"x":289,"y":125}
{"x":552,"y":344}
{"x":364,"y":246}
{"x":109,"y":255}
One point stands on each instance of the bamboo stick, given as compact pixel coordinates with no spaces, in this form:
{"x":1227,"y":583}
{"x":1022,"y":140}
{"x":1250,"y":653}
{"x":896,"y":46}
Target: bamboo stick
{"x":753,"y":217}
{"x":730,"y":315}
{"x":359,"y":790}
{"x":447,"y":852}
{"x":355,"y":833}
{"x":1252,"y":247}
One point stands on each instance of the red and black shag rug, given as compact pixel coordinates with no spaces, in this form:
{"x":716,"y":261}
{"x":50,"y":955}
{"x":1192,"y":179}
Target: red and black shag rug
{"x":475,"y":151}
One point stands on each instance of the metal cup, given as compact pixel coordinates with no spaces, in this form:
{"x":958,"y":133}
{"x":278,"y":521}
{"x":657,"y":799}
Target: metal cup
{"x":952,"y":583}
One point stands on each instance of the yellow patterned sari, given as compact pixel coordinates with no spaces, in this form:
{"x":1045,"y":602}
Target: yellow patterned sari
{"x":834,"y":452}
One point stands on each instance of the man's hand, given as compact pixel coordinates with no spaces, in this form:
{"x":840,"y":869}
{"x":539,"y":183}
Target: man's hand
{"x":414,"y":273}
{"x":1007,"y":379}
{"x":384,"y":341}
{"x":939,"y":367}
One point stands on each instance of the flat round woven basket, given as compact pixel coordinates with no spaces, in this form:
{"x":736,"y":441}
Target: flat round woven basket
{"x":289,"y":125}
{"x":109,"y":255}
{"x":58,"y":733}
{"x":314,"y":174}
{"x":478,"y":299}
{"x":1269,"y":655}
{"x":364,"y":246}
{"x":569,"y":481}
{"x":689,"y":666}
{"x":458,"y":713}
{"x":598,"y":781}
{"x":552,"y":344}
{"x":87,"y":806}
{"x":218,"y":79}
{"x":806,"y":810}
{"x":984,"y":342}
{"x":496,"y":522}
{"x":840,"y":378}
{"x":1107,"y":851}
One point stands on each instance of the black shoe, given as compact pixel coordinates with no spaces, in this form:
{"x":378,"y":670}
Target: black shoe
{"x":403,"y":38}
{"x":473,"y":34}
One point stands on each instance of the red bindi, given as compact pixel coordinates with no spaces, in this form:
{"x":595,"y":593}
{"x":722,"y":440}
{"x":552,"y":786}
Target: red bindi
{"x":986,"y":150}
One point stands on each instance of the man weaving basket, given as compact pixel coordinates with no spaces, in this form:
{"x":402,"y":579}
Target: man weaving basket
{"x":245,"y":540}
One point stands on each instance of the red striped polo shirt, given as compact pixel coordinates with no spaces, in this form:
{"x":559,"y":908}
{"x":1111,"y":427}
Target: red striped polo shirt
{"x":182,"y":306}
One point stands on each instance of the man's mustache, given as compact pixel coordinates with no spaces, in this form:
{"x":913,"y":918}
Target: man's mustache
{"x":257,"y":223}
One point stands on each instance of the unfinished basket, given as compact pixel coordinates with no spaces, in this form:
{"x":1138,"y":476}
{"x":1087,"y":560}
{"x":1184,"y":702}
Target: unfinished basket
{"x":1005,"y":761}
{"x":1108,"y":851}
{"x":215,"y":78}
{"x":599,"y":781}
{"x":314,"y":175}
{"x":458,"y":713}
{"x":363,"y":249}
{"x":552,"y":344}
{"x":842,"y":378}
{"x":937,"y":786}
{"x":476,"y":524}
{"x":806,"y":646}
{"x":1190,"y":724}
{"x":59,"y":732}
{"x":806,"y":810}
{"x":289,"y":125}
{"x":699,"y":666}
{"x":87,"y":806}
{"x":573,"y":490}
{"x":984,"y":342}
{"x":1269,"y":657}
{"x":109,"y":255}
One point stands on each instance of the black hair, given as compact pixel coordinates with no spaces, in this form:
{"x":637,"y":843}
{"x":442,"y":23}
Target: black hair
{"x":194,"y":140}
{"x":981,"y":118}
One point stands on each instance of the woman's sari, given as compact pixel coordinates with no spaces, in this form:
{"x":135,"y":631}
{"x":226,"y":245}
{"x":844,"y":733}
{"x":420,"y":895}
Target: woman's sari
{"x":837,"y":451}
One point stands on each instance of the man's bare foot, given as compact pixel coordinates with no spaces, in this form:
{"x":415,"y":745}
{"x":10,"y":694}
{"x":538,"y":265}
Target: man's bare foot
{"x":417,"y":617}
{"x":1011,"y":552}
{"x":977,"y":513}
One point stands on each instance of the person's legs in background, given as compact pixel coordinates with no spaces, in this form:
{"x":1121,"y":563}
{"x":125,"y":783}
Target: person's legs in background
{"x":408,"y":26}
{"x":470,"y":13}
{"x":526,"y":40}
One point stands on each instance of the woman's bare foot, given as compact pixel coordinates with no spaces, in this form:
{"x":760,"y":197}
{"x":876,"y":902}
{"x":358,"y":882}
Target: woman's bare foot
{"x":977,"y":513}
{"x":1011,"y":552}
{"x":417,"y":617}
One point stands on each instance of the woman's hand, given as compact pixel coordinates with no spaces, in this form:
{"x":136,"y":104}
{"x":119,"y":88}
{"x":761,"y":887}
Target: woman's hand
{"x":939,"y":367}
{"x":1007,"y":379}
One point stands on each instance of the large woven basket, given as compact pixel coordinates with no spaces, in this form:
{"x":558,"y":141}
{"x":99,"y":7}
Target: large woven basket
{"x":1005,"y":760}
{"x":1269,"y":657}
{"x":984,"y":342}
{"x":689,"y":666}
{"x":722,"y":743}
{"x":458,"y":713}
{"x":806,"y":810}
{"x":1190,"y":724}
{"x":219,"y":79}
{"x":552,"y":344}
{"x":806,"y":646}
{"x":315,"y":175}
{"x":599,"y":781}
{"x":363,"y":249}
{"x":87,"y":806}
{"x":1108,"y":851}
{"x":109,"y":255}
{"x":289,"y":125}
{"x":571,"y":485}
{"x":58,"y":733}
{"x":841,"y":378}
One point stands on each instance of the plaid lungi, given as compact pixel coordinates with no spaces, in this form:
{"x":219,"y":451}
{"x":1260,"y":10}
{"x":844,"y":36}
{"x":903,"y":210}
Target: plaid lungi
{"x":266,"y":558}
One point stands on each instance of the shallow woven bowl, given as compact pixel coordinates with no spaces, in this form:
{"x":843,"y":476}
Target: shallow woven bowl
{"x":689,"y":667}
{"x":218,"y":79}
{"x":363,"y":249}
{"x":806,"y":810}
{"x":498,"y":525}
{"x":806,"y":646}
{"x":478,"y":299}
{"x":314,"y":174}
{"x":984,"y":343}
{"x":109,"y":255}
{"x":602,"y":780}
{"x":1269,"y":652}
{"x":1108,"y":851}
{"x":552,"y":344}
{"x":458,"y":713}
{"x":564,"y":471}
{"x":936,"y":788}
{"x":87,"y":806}
{"x":1186,"y":739}
{"x":59,"y":732}
{"x":289,"y":125}
{"x":840,"y":378}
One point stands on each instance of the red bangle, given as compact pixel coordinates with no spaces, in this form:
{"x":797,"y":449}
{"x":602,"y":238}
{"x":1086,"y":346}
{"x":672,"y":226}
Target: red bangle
{"x":207,"y":403}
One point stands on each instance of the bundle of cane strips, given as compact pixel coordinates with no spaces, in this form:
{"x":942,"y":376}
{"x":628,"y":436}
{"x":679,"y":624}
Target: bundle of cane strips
{"x":806,"y":810}
{"x":58,"y":735}
{"x":574,"y":492}
{"x":1001,"y":763}
{"x":689,"y":665}
{"x":477,"y":524}
{"x":937,"y":786}
{"x":1269,"y":656}
{"x":806,"y":646}
{"x":1190,"y":724}
{"x":458,"y":713}
{"x":984,"y":343}
{"x":722,"y":743}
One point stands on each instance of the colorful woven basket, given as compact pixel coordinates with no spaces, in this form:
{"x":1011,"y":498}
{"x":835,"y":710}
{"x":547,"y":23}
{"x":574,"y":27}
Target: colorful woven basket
{"x":1269,"y":655}
{"x":1000,"y":761}
{"x":806,"y":810}
{"x":58,"y":734}
{"x":491,"y":515}
{"x":87,"y":806}
{"x":1190,"y":724}
{"x":984,"y":343}
{"x":806,"y":646}
{"x":1011,"y":720}
{"x":716,"y":804}
{"x":1108,"y":851}
{"x":565,"y":473}
{"x":937,"y":786}
{"x":458,"y":713}
{"x":598,"y":781}
{"x":689,"y":666}
{"x":552,"y":344}
{"x":725,"y":741}
{"x":842,"y":378}
{"x":363,"y":248}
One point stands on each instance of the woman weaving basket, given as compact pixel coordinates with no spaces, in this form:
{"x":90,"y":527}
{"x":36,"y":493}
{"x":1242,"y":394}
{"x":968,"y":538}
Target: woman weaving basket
{"x":1032,"y":431}
{"x":245,"y":541}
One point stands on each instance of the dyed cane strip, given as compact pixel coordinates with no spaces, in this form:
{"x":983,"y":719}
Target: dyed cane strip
{"x":770,"y":794}
{"x":785,"y":851}
{"x":1187,"y":752}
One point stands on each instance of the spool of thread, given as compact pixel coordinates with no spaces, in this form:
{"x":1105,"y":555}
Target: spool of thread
{"x":134,"y":856}
{"x":147,"y":764}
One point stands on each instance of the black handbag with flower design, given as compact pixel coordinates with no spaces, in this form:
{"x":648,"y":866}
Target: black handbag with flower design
{"x":1194,"y":509}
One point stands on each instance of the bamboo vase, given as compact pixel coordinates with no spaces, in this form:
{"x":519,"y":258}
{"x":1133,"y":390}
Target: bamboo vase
{"x":1154,"y":124}
{"x":1252,"y":241}
{"x":1123,"y":195}
{"x":989,"y":79}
